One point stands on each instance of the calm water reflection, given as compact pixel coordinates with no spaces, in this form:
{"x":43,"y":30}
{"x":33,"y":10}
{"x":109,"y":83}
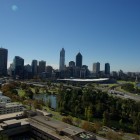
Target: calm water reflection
{"x":138,"y":84}
{"x":45,"y":98}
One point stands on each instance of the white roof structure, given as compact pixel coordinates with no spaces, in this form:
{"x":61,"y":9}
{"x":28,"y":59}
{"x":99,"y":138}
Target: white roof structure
{"x":85,"y":80}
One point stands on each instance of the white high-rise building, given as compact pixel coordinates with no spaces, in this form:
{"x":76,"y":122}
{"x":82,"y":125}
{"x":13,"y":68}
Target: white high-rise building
{"x":62,"y":60}
{"x":96,"y":68}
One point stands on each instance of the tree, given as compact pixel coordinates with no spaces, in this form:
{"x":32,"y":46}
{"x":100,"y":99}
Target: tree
{"x":113,"y":136}
{"x":68,"y":120}
{"x":78,"y":121}
{"x":97,"y":126}
{"x":106,"y":118}
{"x":36,"y":90}
{"x":88,"y":126}
{"x":128,"y":87}
{"x":121,"y":123}
{"x":49,"y":103}
{"x":136,"y":124}
{"x":3,"y":137}
{"x":23,"y":85}
{"x":89,"y":113}
{"x":37,"y":105}
{"x":29,"y":93}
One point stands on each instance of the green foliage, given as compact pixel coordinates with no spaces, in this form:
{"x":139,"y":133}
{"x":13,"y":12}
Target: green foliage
{"x":68,"y":120}
{"x":113,"y":136}
{"x":128,"y":87}
{"x":77,"y":121}
{"x":89,"y":103}
{"x":23,"y":85}
{"x":49,"y":103}
{"x":136,"y":124}
{"x":3,"y":137}
{"x":89,"y":113}
{"x":106,"y":118}
{"x":38,"y":105}
{"x":88,"y":126}
{"x":36,"y":90}
{"x":29,"y":93}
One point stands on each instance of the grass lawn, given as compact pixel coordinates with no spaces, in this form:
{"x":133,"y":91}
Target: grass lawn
{"x":21,"y":92}
{"x":33,"y":90}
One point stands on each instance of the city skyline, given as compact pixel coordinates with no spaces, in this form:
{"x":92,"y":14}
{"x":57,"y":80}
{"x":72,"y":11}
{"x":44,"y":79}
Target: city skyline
{"x":103,"y":31}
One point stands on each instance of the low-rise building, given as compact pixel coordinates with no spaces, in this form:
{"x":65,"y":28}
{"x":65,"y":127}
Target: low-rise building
{"x":6,"y":108}
{"x":43,"y":128}
{"x":5,"y":99}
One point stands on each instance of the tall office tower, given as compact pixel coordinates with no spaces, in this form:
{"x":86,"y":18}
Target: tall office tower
{"x":42,"y":66}
{"x":34,"y":67}
{"x":79,"y":60}
{"x":49,"y":69}
{"x":28,"y":71}
{"x":71,"y":64}
{"x":3,"y":61}
{"x":18,"y":64}
{"x":62,"y":60}
{"x":107,"y":68}
{"x":96,"y":68}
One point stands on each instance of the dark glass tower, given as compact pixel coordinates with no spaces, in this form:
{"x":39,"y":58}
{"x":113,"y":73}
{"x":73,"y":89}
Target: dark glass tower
{"x":107,"y":68}
{"x":62,"y":60}
{"x":79,"y":60}
{"x":18,"y":67}
{"x":34,"y":67}
{"x":42,"y":66}
{"x":3,"y":61}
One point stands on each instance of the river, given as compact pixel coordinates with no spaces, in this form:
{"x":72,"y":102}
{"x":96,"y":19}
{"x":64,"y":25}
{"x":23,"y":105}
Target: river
{"x":45,"y":98}
{"x":138,"y":84}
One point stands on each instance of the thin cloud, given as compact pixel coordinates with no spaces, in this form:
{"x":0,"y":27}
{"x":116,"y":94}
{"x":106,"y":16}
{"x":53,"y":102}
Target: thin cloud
{"x":14,"y":8}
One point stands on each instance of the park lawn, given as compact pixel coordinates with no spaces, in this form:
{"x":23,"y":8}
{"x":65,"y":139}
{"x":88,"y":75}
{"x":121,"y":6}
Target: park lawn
{"x":33,"y":90}
{"x":112,"y":85}
{"x":21,"y":92}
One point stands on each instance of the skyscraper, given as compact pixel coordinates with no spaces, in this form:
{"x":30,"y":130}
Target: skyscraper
{"x":96,"y":68}
{"x":34,"y":67}
{"x":79,"y":60}
{"x":3,"y":61}
{"x":107,"y":69}
{"x":18,"y":64}
{"x":62,"y":60}
{"x":71,"y":64}
{"x":42,"y":66}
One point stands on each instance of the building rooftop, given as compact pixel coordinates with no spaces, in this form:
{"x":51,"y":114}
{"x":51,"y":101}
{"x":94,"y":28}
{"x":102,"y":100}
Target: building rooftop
{"x":10,"y":116}
{"x":56,"y":128}
{"x":51,"y":123}
{"x":15,"y":104}
{"x":46,"y":126}
{"x":4,"y":97}
{"x":14,"y":121}
{"x":85,"y":80}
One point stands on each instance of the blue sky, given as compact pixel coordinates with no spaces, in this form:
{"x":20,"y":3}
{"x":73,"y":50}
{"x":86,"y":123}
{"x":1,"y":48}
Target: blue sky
{"x":102,"y":30}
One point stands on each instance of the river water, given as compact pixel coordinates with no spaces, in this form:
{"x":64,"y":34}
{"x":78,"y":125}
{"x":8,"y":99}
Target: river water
{"x":138,"y":84}
{"x":45,"y":98}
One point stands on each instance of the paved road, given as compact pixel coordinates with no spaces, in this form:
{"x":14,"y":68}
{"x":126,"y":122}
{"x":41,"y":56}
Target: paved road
{"x":125,"y":95}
